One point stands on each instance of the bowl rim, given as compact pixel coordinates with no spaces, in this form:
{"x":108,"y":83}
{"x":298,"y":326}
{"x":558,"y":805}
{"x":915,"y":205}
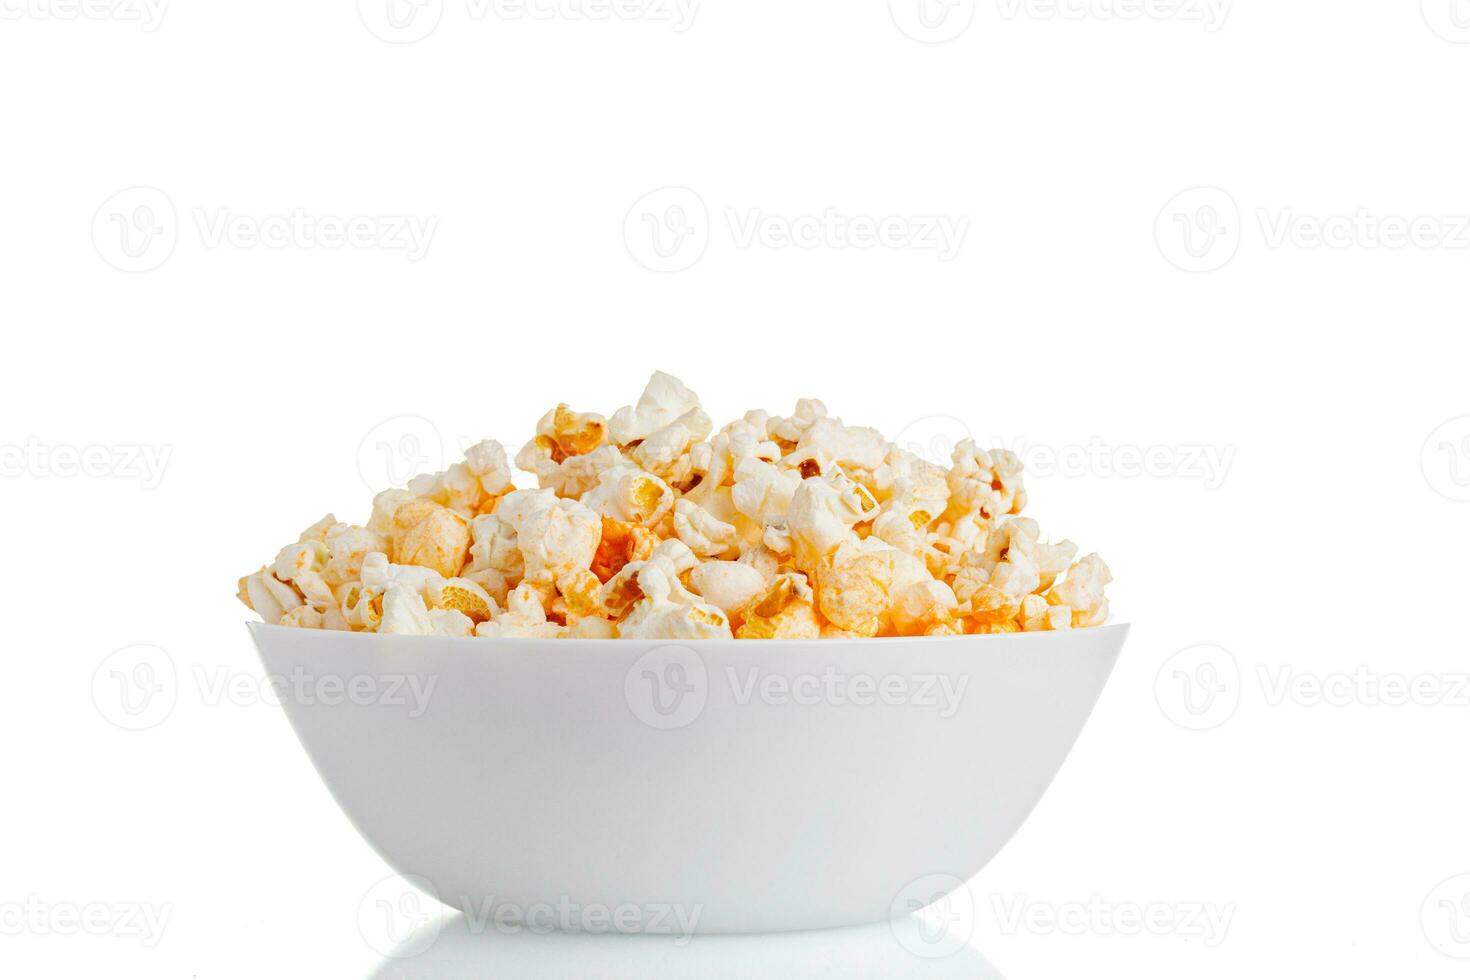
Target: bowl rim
{"x":514,"y":642}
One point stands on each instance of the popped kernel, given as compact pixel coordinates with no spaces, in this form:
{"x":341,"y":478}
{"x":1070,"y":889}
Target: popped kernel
{"x":782,"y":611}
{"x":649,"y":523}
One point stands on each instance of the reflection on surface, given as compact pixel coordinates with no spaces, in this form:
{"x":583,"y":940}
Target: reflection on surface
{"x":882,"y":952}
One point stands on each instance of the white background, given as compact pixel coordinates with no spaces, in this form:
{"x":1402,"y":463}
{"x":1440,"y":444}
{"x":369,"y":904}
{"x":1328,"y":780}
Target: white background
{"x":1098,"y":302}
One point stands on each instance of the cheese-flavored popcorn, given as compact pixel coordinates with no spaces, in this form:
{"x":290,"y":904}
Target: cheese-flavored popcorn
{"x":556,"y":535}
{"x":462,"y":595}
{"x":652,"y":524}
{"x":664,"y":400}
{"x":782,"y":611}
{"x":728,"y":585}
{"x":304,"y":617}
{"x":923,"y":606}
{"x":704,"y":533}
{"x":524,"y":617}
{"x":808,"y":412}
{"x":1082,"y":591}
{"x":822,"y":514}
{"x":434,"y":537}
{"x":268,"y":595}
{"x":854,"y":586}
{"x":628,"y":493}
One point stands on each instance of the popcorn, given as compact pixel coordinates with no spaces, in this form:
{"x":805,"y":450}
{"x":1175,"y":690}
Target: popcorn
{"x":627,"y":493}
{"x":704,"y":533}
{"x":668,"y":610}
{"x":823,"y":512}
{"x":555,"y":535}
{"x":1082,"y":591}
{"x":269,"y":596}
{"x":648,"y":524}
{"x":464,"y":596}
{"x":664,"y":400}
{"x":432,"y":536}
{"x":782,"y":611}
{"x":727,"y":585}
{"x":853,"y":588}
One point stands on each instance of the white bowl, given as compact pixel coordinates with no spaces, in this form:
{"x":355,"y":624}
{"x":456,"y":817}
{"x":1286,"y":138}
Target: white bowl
{"x":751,"y":786}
